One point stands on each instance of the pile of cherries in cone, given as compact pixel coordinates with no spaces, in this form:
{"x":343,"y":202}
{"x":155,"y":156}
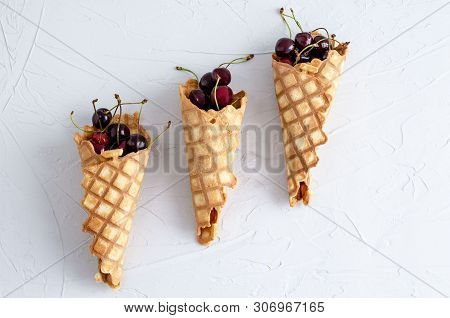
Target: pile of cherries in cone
{"x":108,"y":135}
{"x":213,"y":91}
{"x":304,"y":47}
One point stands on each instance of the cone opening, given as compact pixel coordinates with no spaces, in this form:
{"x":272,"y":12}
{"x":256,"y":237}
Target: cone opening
{"x":341,"y":49}
{"x":192,"y":84}
{"x":127,"y":119}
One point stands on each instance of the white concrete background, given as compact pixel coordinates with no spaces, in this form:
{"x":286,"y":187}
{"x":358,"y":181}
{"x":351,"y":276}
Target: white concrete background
{"x":379,"y":219}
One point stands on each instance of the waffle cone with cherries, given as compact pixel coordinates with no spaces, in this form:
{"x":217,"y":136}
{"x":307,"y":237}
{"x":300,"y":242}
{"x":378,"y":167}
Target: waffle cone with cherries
{"x":211,"y":139}
{"x":304,"y":93}
{"x":111,"y":186}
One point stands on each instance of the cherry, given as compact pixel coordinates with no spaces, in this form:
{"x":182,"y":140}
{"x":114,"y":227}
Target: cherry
{"x":124,"y":132}
{"x":206,"y":82}
{"x":321,"y":51}
{"x":222,"y":73}
{"x":321,"y":55}
{"x":198,"y":98}
{"x":286,"y":60}
{"x":100,"y":141}
{"x":101,"y":118}
{"x":302,"y":40}
{"x":305,"y":57}
{"x":122,"y":145}
{"x":135,"y":143}
{"x":223,"y":95}
{"x":284,"y":47}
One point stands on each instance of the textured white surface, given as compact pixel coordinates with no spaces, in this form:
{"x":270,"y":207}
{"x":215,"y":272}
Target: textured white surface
{"x":379,"y":219}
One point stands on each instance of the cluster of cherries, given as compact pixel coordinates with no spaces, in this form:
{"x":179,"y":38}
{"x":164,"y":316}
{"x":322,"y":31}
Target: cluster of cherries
{"x":304,"y":47}
{"x":108,"y":136}
{"x":213,"y":91}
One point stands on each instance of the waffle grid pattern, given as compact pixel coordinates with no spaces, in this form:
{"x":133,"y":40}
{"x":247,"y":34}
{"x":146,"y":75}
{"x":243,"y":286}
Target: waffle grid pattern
{"x":304,"y":99}
{"x":211,"y":139}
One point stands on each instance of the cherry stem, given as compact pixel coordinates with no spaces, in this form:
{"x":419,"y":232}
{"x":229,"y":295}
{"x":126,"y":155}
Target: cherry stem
{"x":160,"y":134}
{"x":75,"y":124}
{"x":133,"y":103}
{"x":296,"y":21}
{"x":93,"y":104}
{"x":328,"y":34}
{"x":179,"y":68}
{"x":285,"y":22}
{"x":119,"y":104}
{"x":238,"y":60}
{"x":140,"y":111}
{"x":215,"y":92}
{"x":95,"y":111}
{"x":333,"y":38}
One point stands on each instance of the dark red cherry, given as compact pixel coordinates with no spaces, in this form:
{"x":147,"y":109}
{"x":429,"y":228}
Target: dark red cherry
{"x":98,"y":148}
{"x":286,"y":60}
{"x":305,"y":57}
{"x":320,"y":55}
{"x":209,"y":104}
{"x":122,"y":145}
{"x":100,"y":141}
{"x":198,"y":98}
{"x":284,"y":47}
{"x":100,"y":138}
{"x":101,"y":118}
{"x":323,"y":44}
{"x":224,"y":96}
{"x":124,"y":132}
{"x":302,"y":40}
{"x":207,"y":83}
{"x":134,"y":144}
{"x":222,"y":73}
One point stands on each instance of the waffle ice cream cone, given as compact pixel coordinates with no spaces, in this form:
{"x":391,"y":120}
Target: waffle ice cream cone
{"x":111,"y":189}
{"x":304,"y":93}
{"x":211,"y":139}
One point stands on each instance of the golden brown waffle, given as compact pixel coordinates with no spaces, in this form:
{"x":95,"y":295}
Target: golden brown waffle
{"x":304,"y":94}
{"x":211,"y":139}
{"x":111,"y":185}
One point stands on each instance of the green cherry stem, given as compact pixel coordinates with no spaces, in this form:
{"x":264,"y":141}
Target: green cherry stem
{"x":296,"y":21}
{"x":95,"y":111}
{"x":215,"y":92}
{"x":285,"y":22}
{"x":179,"y":68}
{"x":119,"y":104}
{"x":75,"y":124}
{"x":160,"y":134}
{"x":133,"y":103}
{"x":238,"y":60}
{"x":140,"y":110}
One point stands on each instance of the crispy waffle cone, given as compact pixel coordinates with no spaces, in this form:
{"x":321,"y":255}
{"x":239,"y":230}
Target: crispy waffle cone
{"x":304,"y":94}
{"x":211,"y":139}
{"x":112,"y":184}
